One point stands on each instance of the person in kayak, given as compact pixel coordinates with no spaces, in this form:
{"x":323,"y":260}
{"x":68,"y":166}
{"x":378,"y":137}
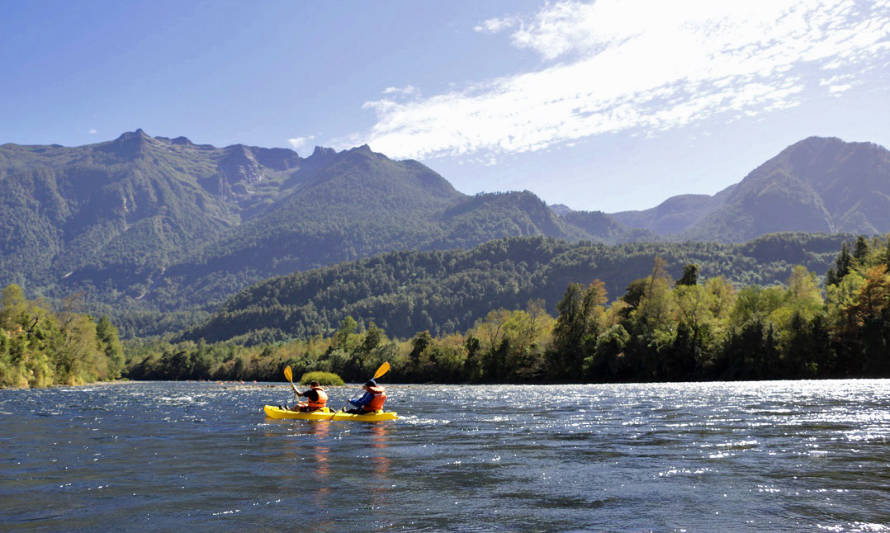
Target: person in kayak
{"x":372,"y":400}
{"x":316,"y":398}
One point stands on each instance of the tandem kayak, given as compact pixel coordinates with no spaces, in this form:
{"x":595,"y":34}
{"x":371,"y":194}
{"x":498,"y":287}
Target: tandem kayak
{"x":273,"y":411}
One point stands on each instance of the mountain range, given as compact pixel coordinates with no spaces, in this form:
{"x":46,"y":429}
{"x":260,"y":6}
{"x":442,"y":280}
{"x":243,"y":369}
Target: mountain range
{"x":164,"y":224}
{"x":817,"y":185}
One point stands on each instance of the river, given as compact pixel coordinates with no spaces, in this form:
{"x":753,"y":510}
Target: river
{"x":198,"y":456}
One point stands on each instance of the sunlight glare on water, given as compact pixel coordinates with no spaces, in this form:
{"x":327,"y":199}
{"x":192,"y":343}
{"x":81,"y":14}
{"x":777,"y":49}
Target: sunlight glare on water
{"x":698,"y":456}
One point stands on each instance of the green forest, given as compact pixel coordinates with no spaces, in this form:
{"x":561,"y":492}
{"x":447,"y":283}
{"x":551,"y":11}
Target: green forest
{"x":40,"y":347}
{"x":660,"y":329}
{"x":448,"y":291}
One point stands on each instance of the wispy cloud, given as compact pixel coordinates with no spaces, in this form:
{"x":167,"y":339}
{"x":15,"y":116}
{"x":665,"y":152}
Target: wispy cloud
{"x":298,"y":143}
{"x":408,"y":90}
{"x":617,"y":65}
{"x":497,"y":24}
{"x":93,"y":131}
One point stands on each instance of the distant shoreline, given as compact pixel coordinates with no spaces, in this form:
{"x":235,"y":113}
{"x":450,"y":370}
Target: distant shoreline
{"x":89,"y":384}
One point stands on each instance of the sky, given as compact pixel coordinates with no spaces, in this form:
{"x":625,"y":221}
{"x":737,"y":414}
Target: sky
{"x":609,"y":105}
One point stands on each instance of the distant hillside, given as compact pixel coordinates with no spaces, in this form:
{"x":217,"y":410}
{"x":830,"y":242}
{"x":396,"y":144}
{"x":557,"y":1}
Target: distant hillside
{"x":676,"y":214}
{"x":607,"y":228}
{"x":407,"y":292}
{"x":822,"y":185}
{"x":816,"y":185}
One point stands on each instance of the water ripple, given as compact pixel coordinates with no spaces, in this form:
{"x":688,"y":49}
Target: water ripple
{"x":777,"y":456}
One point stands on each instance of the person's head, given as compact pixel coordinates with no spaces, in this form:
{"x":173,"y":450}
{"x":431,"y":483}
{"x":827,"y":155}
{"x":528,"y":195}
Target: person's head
{"x":314,"y":384}
{"x":370,"y":383}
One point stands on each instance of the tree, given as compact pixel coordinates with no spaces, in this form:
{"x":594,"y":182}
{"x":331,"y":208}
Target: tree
{"x":690,"y":275}
{"x":842,"y":266}
{"x":874,"y":294}
{"x":473,"y":363}
{"x":581,"y":317}
{"x":657,"y":303}
{"x":860,"y":250}
{"x":345,"y":337}
{"x":111,"y":345}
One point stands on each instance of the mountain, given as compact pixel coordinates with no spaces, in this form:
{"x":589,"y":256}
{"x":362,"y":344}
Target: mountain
{"x":675,"y":215}
{"x":144,"y":224}
{"x":816,"y":185}
{"x":606,"y":228}
{"x":447,"y":291}
{"x":128,"y":207}
{"x":157,"y":223}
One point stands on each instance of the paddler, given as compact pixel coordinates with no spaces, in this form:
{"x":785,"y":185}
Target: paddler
{"x":316,"y":398}
{"x":371,"y":401}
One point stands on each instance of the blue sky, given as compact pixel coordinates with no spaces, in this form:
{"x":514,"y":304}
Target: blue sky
{"x":607,"y":105}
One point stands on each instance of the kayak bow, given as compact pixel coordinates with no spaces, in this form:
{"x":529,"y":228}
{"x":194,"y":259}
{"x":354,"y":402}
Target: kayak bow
{"x":273,"y":411}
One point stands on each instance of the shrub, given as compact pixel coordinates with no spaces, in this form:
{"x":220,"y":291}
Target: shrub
{"x":323,"y":378}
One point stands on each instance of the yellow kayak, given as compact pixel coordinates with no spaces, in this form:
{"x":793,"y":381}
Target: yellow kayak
{"x":273,"y":411}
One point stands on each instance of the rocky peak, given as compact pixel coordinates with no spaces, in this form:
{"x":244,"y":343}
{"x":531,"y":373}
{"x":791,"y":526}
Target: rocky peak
{"x":321,"y":151}
{"x":561,"y":209}
{"x":129,"y":145}
{"x":276,"y":158}
{"x":238,"y":164}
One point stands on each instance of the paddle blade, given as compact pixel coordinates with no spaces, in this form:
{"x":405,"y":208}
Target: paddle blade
{"x":289,"y":374}
{"x":384,"y":368}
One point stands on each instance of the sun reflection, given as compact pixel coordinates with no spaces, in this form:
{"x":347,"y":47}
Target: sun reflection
{"x":380,"y":462}
{"x":320,"y":453}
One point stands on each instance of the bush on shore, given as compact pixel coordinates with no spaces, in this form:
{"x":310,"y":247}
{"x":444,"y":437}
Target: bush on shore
{"x":327,"y":379}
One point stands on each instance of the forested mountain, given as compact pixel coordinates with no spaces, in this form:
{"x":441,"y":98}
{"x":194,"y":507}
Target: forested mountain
{"x":607,"y":227}
{"x":815,"y":185}
{"x":676,"y":214}
{"x":147,"y":225}
{"x":661,"y":328}
{"x":819,"y":185}
{"x":407,"y":292}
{"x":145,"y":222}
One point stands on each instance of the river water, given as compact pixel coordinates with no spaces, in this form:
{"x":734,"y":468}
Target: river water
{"x":761,"y":456}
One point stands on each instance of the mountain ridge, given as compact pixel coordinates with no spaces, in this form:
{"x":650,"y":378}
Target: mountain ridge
{"x":153,"y":222}
{"x":163,"y":224}
{"x":819,"y":184}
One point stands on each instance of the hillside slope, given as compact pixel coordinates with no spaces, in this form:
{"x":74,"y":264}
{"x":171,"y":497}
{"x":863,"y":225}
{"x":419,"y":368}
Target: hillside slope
{"x":816,"y":185}
{"x":407,"y":292}
{"x":154,"y":223}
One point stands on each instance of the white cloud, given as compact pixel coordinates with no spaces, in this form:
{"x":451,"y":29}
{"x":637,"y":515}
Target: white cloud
{"x":93,"y":131}
{"x":298,"y":142}
{"x":616,"y":65}
{"x":837,"y":90}
{"x":408,"y":90}
{"x":494,"y":25}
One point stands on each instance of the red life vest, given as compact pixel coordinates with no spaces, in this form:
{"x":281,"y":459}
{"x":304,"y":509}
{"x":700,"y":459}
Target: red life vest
{"x":322,"y":399}
{"x":376,"y":403}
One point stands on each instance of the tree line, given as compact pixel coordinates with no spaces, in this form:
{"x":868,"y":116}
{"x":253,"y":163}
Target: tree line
{"x":448,"y":291}
{"x":41,"y":347}
{"x":659,"y":329}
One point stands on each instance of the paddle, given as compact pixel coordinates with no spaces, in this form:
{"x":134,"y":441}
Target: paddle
{"x":382,"y":369}
{"x":289,"y":374}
